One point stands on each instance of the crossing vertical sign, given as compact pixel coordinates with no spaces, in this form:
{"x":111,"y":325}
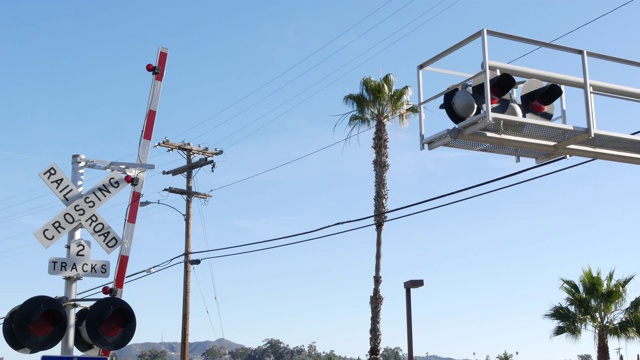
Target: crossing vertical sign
{"x":81,"y":209}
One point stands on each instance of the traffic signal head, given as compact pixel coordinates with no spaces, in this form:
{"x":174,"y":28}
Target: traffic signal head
{"x":37,"y":324}
{"x":499,"y":88}
{"x":461,"y":104}
{"x":537,"y":99}
{"x":108,"y":324}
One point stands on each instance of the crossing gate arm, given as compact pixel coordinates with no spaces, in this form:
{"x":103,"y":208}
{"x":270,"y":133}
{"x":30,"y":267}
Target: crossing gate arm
{"x":158,"y":72}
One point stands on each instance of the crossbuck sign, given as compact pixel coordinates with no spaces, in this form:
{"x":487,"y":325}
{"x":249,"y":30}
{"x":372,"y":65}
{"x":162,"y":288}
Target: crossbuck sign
{"x":81,"y":209}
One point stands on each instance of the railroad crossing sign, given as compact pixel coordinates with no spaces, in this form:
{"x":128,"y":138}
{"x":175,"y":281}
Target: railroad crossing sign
{"x":79,"y":263}
{"x":81,"y":209}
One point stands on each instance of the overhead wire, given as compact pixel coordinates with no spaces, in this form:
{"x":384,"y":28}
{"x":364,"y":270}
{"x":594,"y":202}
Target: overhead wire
{"x":328,"y":146}
{"x":169,"y":261}
{"x":204,"y":302}
{"x":574,"y":30}
{"x":334,"y":72}
{"x":290,"y":161}
{"x":390,"y":211}
{"x":211,"y":273}
{"x":30,"y":211}
{"x":287,"y":70}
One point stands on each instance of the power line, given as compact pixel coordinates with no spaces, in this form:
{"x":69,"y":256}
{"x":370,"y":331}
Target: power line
{"x":168,"y":263}
{"x":328,"y":146}
{"x":338,"y":69}
{"x":283,"y":73}
{"x":574,"y":30}
{"x":288,"y":162}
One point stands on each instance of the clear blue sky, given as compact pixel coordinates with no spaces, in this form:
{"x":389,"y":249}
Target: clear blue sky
{"x":264,"y":81}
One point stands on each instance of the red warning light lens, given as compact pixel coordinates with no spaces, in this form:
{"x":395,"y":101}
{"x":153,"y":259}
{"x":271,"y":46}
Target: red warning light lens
{"x":106,"y":290}
{"x":45,"y":323}
{"x":537,"y":107}
{"x":114,"y":323}
{"x":150,"y":68}
{"x":128,"y":179}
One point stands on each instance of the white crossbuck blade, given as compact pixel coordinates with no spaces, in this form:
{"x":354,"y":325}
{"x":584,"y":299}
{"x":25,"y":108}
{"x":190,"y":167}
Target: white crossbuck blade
{"x":81,"y":209}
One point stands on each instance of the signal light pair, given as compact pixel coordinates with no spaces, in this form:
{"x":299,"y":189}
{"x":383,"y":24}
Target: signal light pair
{"x":41,"y":322}
{"x":537,"y":98}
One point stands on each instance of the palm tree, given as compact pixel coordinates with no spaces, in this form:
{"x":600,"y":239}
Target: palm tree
{"x":505,"y":356}
{"x":596,"y":304}
{"x":378,"y":104}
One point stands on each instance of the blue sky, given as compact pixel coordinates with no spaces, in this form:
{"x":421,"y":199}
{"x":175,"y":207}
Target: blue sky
{"x":264,"y":81}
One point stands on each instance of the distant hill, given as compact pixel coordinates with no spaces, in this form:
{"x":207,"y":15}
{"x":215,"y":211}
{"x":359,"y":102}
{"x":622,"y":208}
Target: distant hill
{"x":130,"y":352}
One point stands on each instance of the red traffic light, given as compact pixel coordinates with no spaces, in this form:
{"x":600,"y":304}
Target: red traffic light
{"x":108,"y":324}
{"x":537,"y":99}
{"x":150,"y":68}
{"x":37,"y":324}
{"x":499,"y":86}
{"x":461,"y":104}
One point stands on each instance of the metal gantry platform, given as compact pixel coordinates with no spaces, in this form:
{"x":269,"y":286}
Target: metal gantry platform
{"x":518,"y":136}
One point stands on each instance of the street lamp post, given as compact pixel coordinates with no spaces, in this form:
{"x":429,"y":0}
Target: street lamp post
{"x":408,"y":285}
{"x":186,"y":290}
{"x":146,"y":203}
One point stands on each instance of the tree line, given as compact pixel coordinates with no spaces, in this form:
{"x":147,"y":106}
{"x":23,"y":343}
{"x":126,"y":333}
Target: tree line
{"x":271,"y":349}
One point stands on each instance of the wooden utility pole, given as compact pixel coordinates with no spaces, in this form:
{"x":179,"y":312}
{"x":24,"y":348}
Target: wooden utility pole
{"x":190,"y":152}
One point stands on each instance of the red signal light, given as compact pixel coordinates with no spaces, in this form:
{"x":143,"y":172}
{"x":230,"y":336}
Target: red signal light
{"x":109,"y":324}
{"x":44,"y":324}
{"x":106,"y":290}
{"x":115,"y":323}
{"x":150,"y":68}
{"x":537,"y":107}
{"x":133,"y":180}
{"x":37,"y":324}
{"x":537,"y":99}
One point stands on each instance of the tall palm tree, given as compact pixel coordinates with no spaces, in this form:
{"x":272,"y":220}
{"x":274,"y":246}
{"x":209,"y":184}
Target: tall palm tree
{"x":378,"y":104}
{"x":596,"y":304}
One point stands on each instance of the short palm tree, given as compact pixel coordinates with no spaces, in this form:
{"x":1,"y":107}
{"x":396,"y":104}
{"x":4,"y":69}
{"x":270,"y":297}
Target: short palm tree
{"x":376,"y":105}
{"x":596,"y":304}
{"x":505,"y":356}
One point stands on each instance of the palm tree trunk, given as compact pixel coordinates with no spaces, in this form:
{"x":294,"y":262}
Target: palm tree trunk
{"x":603,"y":346}
{"x":380,"y":148}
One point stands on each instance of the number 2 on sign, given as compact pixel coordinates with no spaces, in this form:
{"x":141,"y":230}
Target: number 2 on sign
{"x":80,"y":248}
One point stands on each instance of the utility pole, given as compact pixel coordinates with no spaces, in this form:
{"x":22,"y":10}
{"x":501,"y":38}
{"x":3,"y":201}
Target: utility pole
{"x":190,"y":152}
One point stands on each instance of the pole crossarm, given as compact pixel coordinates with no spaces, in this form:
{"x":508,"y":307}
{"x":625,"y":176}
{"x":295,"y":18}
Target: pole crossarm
{"x":118,"y":166}
{"x":195,"y":165}
{"x":189,"y":148}
{"x":192,"y":194}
